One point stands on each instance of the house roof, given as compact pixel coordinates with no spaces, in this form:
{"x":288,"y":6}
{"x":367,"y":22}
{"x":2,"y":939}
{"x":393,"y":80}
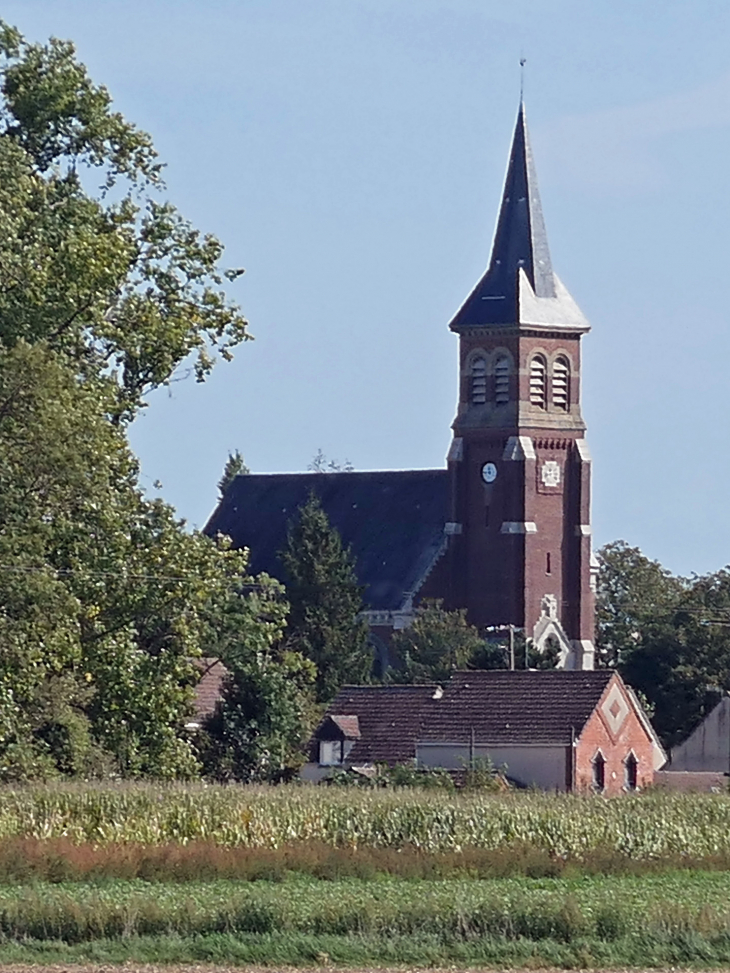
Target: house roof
{"x":208,"y":689}
{"x":393,"y":521}
{"x":501,"y":706}
{"x":349,"y":726}
{"x":389,"y":719}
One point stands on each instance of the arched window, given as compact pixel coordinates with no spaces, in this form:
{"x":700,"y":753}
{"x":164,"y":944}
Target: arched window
{"x":501,"y":381}
{"x":599,"y":772}
{"x":479,"y":381}
{"x":631,"y":767}
{"x":538,"y":391}
{"x":561,"y":384}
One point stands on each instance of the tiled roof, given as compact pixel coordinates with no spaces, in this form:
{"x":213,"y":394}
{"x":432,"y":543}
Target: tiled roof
{"x":504,"y":707}
{"x":393,"y":521}
{"x":208,"y":690}
{"x":389,"y":718}
{"x":350,"y":726}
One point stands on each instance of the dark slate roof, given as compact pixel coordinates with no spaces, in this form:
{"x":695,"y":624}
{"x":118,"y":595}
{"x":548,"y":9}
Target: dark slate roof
{"x":389,"y":718}
{"x":519,"y":241}
{"x":392,"y":520}
{"x":504,"y":707}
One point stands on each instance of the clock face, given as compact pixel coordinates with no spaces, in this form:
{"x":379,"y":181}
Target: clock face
{"x":489,"y":472}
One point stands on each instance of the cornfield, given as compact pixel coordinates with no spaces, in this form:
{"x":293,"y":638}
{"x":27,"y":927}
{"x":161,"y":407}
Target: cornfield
{"x":641,"y":827}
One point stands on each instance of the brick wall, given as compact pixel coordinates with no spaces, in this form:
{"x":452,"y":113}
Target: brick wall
{"x":598,"y":736}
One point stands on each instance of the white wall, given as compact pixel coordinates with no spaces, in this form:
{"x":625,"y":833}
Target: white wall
{"x":531,"y":765}
{"x":708,"y":748}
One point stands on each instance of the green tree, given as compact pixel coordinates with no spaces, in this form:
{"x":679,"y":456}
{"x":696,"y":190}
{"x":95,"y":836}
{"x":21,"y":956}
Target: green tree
{"x":668,"y":636}
{"x":440,"y":641}
{"x":326,"y":599}
{"x":234,"y":467}
{"x":633,"y":595}
{"x":105,"y":598}
{"x":118,"y":281}
{"x":435,"y":644}
{"x":259,"y":726}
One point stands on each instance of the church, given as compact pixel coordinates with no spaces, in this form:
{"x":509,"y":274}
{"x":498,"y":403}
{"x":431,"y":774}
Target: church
{"x":504,"y":530}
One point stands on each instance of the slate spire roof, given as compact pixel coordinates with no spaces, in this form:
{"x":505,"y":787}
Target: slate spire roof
{"x":520,"y":244}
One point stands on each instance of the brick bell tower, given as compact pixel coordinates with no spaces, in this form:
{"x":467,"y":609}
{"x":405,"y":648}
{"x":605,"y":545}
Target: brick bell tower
{"x":520,"y":551}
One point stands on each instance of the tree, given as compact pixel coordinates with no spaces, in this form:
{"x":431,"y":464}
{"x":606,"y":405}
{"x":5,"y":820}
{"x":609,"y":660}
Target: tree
{"x":118,"y":281}
{"x":440,"y":641}
{"x":326,"y":600}
{"x":105,"y":598}
{"x":633,"y":594}
{"x":234,"y":467}
{"x":259,"y":725}
{"x":320,"y":464}
{"x":669,"y":637}
{"x":435,"y":644}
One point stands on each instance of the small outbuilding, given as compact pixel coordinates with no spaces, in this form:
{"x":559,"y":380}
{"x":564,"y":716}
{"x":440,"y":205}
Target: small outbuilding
{"x":557,"y":730}
{"x":707,"y":748}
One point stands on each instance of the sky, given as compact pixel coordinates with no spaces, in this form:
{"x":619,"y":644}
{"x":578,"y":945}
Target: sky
{"x":350,"y":154}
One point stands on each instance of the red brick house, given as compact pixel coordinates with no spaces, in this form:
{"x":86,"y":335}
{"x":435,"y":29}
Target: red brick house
{"x":560,"y":730}
{"x":504,"y":529}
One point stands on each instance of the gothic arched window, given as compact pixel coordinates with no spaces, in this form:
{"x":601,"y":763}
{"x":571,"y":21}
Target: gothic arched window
{"x":538,"y":390}
{"x":561,"y":384}
{"x":501,"y":380}
{"x":599,"y":772}
{"x":479,"y":381}
{"x":631,"y":768}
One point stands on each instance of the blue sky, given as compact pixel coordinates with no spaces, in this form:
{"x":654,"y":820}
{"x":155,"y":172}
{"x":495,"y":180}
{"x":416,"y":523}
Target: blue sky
{"x":350,"y":154}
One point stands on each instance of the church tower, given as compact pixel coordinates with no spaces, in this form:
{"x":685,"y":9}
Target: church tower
{"x":520,"y":551}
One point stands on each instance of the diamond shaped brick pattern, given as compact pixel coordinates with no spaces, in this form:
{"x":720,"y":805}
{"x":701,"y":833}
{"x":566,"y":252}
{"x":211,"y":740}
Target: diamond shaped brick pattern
{"x":615,"y":709}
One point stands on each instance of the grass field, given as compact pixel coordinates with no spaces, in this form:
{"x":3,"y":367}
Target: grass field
{"x":616,"y":921}
{"x":307,"y":876}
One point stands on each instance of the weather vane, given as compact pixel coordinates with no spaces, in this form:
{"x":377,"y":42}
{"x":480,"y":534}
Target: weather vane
{"x":523,"y":62}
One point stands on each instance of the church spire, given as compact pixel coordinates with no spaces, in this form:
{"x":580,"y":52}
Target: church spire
{"x":520,"y":241}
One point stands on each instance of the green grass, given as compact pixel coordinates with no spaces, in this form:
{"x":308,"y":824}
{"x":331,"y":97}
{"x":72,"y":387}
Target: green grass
{"x":667,"y":920}
{"x":306,"y":876}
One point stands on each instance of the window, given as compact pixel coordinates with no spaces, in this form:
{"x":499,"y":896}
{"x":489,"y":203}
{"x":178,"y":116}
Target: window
{"x":479,"y":381}
{"x":599,"y":772}
{"x":501,"y":381}
{"x":538,"y":392}
{"x":561,"y":384}
{"x":330,"y":752}
{"x":631,"y":767}
{"x":548,"y":564}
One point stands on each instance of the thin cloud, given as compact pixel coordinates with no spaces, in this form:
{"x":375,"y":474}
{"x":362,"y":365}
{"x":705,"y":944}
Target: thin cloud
{"x":619,"y":149}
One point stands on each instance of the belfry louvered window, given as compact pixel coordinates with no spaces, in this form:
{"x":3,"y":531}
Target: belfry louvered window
{"x":501,"y":381}
{"x":479,"y":381}
{"x":538,"y":390}
{"x":561,"y":384}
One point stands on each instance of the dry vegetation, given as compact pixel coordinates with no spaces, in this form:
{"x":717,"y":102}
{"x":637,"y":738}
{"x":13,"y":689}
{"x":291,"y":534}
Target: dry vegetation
{"x":303,"y":875}
{"x":643,"y":827}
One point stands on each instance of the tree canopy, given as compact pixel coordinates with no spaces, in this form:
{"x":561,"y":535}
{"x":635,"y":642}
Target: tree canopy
{"x":668,"y":636}
{"x":326,"y":600}
{"x":115,"y":280}
{"x":105,"y":598}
